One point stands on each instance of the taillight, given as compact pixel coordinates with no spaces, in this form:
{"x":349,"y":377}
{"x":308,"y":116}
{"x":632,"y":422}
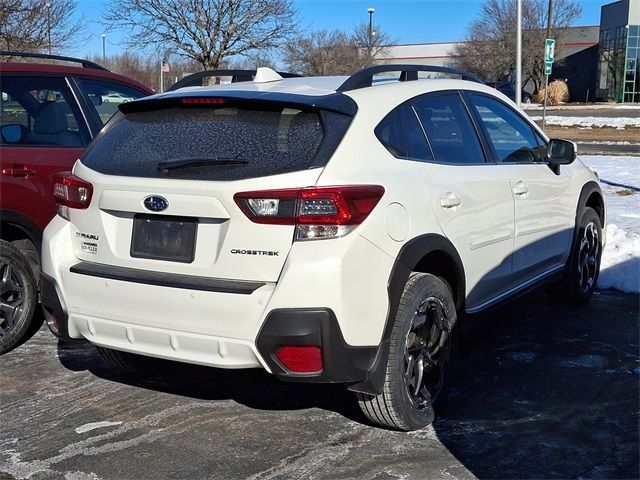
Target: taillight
{"x":317,"y":212}
{"x":301,"y":359}
{"x":71,"y":192}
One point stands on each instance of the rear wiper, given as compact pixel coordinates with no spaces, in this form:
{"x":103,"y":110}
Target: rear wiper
{"x":164,"y":167}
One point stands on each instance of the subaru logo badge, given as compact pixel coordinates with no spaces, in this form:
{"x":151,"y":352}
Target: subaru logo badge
{"x":156,"y":203}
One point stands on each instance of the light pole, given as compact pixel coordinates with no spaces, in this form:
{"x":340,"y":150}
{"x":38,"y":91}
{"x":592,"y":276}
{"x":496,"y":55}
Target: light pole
{"x":370,"y":11}
{"x":519,"y":54}
{"x":104,"y":50}
{"x":48,"y":5}
{"x":546,"y":77}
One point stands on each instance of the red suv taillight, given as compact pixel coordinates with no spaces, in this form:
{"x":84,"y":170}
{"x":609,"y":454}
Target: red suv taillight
{"x":71,"y":192}
{"x":317,"y":212}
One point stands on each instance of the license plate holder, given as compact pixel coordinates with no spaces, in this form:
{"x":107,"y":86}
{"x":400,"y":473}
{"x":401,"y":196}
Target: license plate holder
{"x":164,"y":237}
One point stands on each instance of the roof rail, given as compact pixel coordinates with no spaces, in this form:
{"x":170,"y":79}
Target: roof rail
{"x":364,"y":78}
{"x":84,"y":63}
{"x":195,"y":79}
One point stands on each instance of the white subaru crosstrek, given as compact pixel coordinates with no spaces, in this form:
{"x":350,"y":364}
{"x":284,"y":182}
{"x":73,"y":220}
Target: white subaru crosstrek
{"x":326,"y":229}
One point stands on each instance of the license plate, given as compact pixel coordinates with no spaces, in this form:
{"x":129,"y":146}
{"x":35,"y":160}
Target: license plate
{"x":161,"y":237}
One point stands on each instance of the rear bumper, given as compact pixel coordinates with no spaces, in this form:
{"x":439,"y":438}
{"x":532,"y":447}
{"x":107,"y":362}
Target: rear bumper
{"x":291,"y":327}
{"x":225,"y":323}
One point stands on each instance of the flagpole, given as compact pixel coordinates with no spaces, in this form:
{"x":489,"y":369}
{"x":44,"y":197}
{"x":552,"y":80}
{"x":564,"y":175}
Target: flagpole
{"x":161,"y":75}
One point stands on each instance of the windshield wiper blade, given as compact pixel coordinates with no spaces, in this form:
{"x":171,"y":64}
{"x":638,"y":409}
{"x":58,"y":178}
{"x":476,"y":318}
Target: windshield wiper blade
{"x":194,"y":162}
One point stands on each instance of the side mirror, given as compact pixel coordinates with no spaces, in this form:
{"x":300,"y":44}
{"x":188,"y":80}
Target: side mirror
{"x":12,"y":133}
{"x":561,"y":152}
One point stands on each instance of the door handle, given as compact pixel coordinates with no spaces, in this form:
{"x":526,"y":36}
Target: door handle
{"x":18,"y":171}
{"x":450,"y":200}
{"x":521,"y":189}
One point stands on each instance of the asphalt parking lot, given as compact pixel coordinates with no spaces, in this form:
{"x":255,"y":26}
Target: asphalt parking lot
{"x":538,"y":391}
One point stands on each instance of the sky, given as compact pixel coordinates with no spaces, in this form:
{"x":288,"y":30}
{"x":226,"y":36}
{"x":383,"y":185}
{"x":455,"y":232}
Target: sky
{"x":408,"y":21}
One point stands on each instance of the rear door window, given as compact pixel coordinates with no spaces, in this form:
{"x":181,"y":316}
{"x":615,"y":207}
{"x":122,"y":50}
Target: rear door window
{"x":450,"y":131}
{"x":40,"y":111}
{"x":230,"y":142}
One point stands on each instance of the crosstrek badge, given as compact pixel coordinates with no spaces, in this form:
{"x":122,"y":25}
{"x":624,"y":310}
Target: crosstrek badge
{"x":268,"y":253}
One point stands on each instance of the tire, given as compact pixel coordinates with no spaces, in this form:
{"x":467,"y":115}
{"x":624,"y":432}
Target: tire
{"x":583,"y":268}
{"x":18,"y":296}
{"x":412,"y":386}
{"x":127,"y":362}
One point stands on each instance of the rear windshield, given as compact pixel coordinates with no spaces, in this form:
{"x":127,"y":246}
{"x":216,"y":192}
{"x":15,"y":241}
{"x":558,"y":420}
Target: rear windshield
{"x":223,"y":143}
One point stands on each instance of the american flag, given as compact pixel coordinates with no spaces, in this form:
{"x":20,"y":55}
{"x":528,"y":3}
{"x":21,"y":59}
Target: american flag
{"x":165,"y":66}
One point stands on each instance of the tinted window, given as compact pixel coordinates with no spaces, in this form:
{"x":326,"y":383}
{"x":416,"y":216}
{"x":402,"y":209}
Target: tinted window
{"x":43,"y":111}
{"x":389,"y":132}
{"x":257,"y":142}
{"x":104,"y":96}
{"x":449,"y":129}
{"x":400,"y":132}
{"x":416,"y":141}
{"x":511,"y":136}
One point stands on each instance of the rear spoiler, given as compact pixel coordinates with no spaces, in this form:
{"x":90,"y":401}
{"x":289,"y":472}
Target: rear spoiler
{"x":334,"y":102}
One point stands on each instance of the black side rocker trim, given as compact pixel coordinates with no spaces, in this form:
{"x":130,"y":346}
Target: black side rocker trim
{"x":313,"y":326}
{"x":161,"y":279}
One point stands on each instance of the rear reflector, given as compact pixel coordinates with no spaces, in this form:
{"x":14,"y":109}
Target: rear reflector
{"x":318,"y":212}
{"x":71,"y":192}
{"x":301,"y":359}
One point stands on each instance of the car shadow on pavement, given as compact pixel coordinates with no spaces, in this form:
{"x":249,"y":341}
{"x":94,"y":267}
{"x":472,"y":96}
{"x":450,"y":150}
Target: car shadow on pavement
{"x":543,"y":388}
{"x":536,"y":390}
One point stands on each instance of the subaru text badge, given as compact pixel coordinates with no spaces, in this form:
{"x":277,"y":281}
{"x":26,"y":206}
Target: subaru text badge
{"x":156,"y":203}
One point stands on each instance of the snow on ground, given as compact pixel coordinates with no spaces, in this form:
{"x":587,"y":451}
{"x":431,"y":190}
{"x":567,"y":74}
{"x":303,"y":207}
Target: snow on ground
{"x":616,"y":122}
{"x":620,"y":181}
{"x":608,"y":142}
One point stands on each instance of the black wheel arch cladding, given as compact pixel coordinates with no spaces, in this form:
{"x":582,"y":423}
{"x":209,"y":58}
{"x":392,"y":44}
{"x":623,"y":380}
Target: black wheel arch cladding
{"x":408,"y":258}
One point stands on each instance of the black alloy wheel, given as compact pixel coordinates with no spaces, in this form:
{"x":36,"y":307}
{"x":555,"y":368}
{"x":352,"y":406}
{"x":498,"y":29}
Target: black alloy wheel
{"x":18,"y":296}
{"x":419,"y":350}
{"x":427,"y":352}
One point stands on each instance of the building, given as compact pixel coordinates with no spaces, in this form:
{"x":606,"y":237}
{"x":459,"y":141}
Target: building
{"x":599,"y":62}
{"x":618,"y":77}
{"x":576,"y":61}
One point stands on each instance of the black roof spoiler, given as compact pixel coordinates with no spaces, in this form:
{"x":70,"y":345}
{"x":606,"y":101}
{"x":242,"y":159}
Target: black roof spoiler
{"x":335,"y":102}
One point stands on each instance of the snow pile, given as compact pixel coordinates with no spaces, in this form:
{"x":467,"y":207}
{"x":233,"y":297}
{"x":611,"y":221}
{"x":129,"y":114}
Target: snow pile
{"x":590,"y":122}
{"x":620,"y":181}
{"x":620,"y":267}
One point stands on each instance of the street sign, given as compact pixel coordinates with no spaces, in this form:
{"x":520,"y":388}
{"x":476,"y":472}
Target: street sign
{"x":549,"y":50}
{"x":547,"y":68}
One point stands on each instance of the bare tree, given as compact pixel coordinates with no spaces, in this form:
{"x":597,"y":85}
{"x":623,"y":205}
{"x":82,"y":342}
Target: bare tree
{"x":322,"y":52}
{"x":252,"y":62}
{"x":335,"y":52}
{"x":27,"y":25}
{"x":370,"y":50}
{"x":207,"y":31}
{"x":490,"y":47}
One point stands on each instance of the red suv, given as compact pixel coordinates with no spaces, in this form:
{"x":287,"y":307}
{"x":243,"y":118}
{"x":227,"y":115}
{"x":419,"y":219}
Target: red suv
{"x":48,"y":114}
